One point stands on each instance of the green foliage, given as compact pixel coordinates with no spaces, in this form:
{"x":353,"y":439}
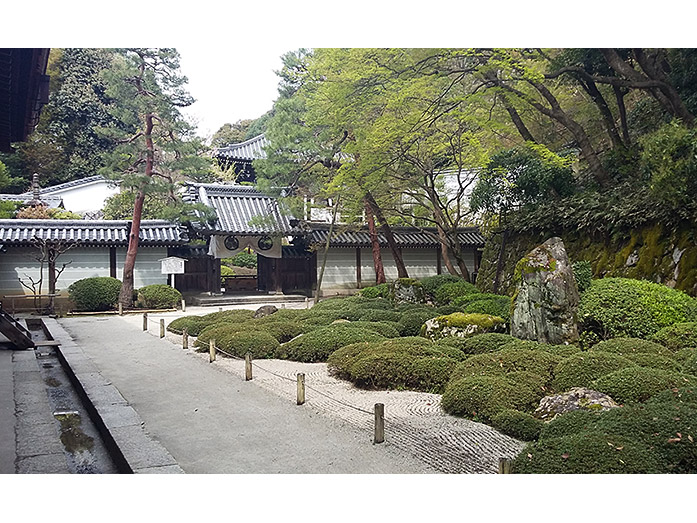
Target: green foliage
{"x":447,"y":292}
{"x":569,"y":423}
{"x":582,"y":369}
{"x":226,"y":271}
{"x":376,"y":291}
{"x":622,"y":307}
{"x":242,"y":259}
{"x":563,"y":351}
{"x":633,"y":384}
{"x":403,"y":363}
{"x":677,"y":336}
{"x":431,"y":284}
{"x":583,"y":273}
{"x":318,"y":344}
{"x":410,"y":322}
{"x":627,"y":346}
{"x":95,"y":294}
{"x":488,"y":342}
{"x":231,"y":133}
{"x":157,"y":207}
{"x":361,"y":314}
{"x":506,"y":361}
{"x":158,"y":296}
{"x":282,"y":331}
{"x":238,"y":341}
{"x":516,"y":424}
{"x":41,"y":212}
{"x":587,"y":453}
{"x":500,"y":307}
{"x":8,"y":209}
{"x":193,"y":325}
{"x":655,"y":361}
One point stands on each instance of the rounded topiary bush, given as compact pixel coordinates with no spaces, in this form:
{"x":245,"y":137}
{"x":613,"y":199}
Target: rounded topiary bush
{"x":410,"y":322}
{"x":376,"y":291}
{"x":446,"y":293}
{"x":569,"y":423}
{"x":627,"y":346}
{"x":374,"y":315}
{"x":158,"y":296}
{"x":488,"y":342}
{"x":444,"y":310}
{"x":689,"y":366}
{"x":500,"y":307}
{"x":683,"y":355}
{"x":622,"y":307}
{"x":388,"y":329}
{"x":563,"y":351}
{"x":95,"y":294}
{"x":582,"y":369}
{"x":193,"y":325}
{"x":516,"y":343}
{"x":432,"y":283}
{"x":219,"y":333}
{"x":516,"y":424}
{"x":677,"y":336}
{"x":655,"y":361}
{"x":232,"y":316}
{"x":318,"y":344}
{"x":259,"y":344}
{"x":507,"y":361}
{"x":587,"y":453}
{"x":636,"y":384}
{"x":483,"y":397}
{"x":282,"y":331}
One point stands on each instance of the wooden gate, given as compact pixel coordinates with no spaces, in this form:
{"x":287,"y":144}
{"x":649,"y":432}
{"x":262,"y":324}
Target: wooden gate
{"x":294,"y":273}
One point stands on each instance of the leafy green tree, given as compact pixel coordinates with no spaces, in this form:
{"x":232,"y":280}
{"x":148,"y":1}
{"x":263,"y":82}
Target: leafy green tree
{"x":163,"y":150}
{"x":231,"y":133}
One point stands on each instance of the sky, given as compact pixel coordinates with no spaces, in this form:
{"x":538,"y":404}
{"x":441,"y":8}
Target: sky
{"x":244,"y":90}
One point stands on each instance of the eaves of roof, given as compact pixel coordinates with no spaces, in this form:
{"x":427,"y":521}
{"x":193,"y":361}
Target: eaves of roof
{"x":405,"y":237}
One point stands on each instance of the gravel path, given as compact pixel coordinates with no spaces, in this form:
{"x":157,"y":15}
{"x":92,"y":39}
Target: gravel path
{"x":414,"y":421}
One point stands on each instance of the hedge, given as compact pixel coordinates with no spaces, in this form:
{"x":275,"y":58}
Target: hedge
{"x":500,"y":307}
{"x":655,"y":361}
{"x":677,"y":336}
{"x":622,"y":307}
{"x":638,"y":384}
{"x":446,"y":293}
{"x":516,"y":424}
{"x":581,"y":370}
{"x":238,"y":342}
{"x":158,"y":296}
{"x":193,"y":325}
{"x":317,"y":345}
{"x":95,"y":294}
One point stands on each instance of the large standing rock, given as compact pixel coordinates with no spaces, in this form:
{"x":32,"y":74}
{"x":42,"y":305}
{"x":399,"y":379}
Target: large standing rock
{"x":407,"y":290}
{"x":546,"y":300}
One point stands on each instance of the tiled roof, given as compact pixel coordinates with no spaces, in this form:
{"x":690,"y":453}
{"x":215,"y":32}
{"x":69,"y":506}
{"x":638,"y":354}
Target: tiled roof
{"x":404,"y":236}
{"x":251,"y":149}
{"x":90,"y":232}
{"x":241,"y":210}
{"x":50,"y":200}
{"x":68,"y":185}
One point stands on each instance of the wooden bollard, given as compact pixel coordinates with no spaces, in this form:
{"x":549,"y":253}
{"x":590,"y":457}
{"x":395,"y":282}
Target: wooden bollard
{"x":505,"y":466}
{"x":307,"y":303}
{"x":185,"y":339}
{"x":220,"y":309}
{"x":301,"y":389}
{"x":120,"y":309}
{"x":283,"y":305}
{"x":379,"y":423}
{"x":162,"y":327}
{"x":211,"y":350}
{"x":248,"y":366}
{"x":145,"y":321}
{"x":183,"y":305}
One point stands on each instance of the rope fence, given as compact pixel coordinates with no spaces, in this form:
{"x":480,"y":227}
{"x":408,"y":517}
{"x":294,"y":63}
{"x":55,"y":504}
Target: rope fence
{"x":405,"y":431}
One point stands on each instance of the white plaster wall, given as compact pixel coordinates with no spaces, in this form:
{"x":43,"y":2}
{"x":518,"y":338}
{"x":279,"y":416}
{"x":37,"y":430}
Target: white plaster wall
{"x":340,"y":270}
{"x":87,"y":198}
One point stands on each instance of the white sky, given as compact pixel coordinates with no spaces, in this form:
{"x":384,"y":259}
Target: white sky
{"x":228,"y":88}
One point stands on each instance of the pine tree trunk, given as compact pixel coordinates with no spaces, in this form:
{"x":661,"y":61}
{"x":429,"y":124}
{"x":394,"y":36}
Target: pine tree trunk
{"x":375,"y":244}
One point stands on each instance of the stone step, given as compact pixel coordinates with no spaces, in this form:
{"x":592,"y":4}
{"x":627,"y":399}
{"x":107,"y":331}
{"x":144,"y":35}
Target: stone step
{"x":217,"y":301}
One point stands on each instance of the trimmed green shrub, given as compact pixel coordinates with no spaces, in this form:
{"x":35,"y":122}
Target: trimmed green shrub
{"x":655,"y":361}
{"x":622,"y":307}
{"x":679,"y":396}
{"x":376,"y":291}
{"x":444,"y":310}
{"x":483,"y":397}
{"x":446,"y":293}
{"x":282,"y":331}
{"x":410,"y":322}
{"x":388,"y":329}
{"x":677,"y":336}
{"x":193,"y":325}
{"x":158,"y":296}
{"x":516,"y":343}
{"x":684,"y":354}
{"x":690,"y":365}
{"x":500,"y":307}
{"x":95,"y":294}
{"x":238,"y":340}
{"x":225,"y":271}
{"x":232,"y":316}
{"x":242,"y":259}
{"x":432,"y":283}
{"x":462,"y":301}
{"x":318,"y":344}
{"x":286,"y":315}
{"x":582,"y":369}
{"x":488,"y":342}
{"x":563,"y":351}
{"x":587,"y":453}
{"x":583,"y":274}
{"x":516,"y":424}
{"x":569,"y":423}
{"x":506,"y":361}
{"x":414,"y":307}
{"x":450,"y":350}
{"x":374,"y":315}
{"x":219,"y":332}
{"x":627,"y":346}
{"x":638,"y":384}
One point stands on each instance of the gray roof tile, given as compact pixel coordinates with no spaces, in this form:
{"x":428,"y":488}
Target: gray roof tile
{"x":251,"y":149}
{"x":405,"y":237}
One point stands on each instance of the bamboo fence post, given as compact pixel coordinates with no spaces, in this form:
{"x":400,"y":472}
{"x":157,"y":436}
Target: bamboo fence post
{"x":505,"y":466}
{"x":162,"y":327}
{"x":145,"y":321}
{"x":248,"y":366}
{"x":183,"y":305}
{"x":211,"y":350}
{"x":185,"y":339}
{"x":301,"y":389}
{"x":379,"y":423}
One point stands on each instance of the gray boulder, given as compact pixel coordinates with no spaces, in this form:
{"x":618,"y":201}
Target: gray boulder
{"x":407,"y":290}
{"x":546,"y":300}
{"x":578,"y":398}
{"x":265,"y":310}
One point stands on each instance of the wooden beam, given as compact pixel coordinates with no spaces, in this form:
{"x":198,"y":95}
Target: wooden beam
{"x":112,"y":262}
{"x":439,"y":264}
{"x":358,"y":267}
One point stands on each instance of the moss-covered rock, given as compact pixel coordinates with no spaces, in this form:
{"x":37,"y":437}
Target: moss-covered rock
{"x":407,"y":290}
{"x":461,"y":325}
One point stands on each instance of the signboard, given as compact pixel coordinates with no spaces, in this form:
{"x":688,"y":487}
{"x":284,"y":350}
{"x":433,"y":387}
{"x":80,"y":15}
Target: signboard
{"x":172,"y":265}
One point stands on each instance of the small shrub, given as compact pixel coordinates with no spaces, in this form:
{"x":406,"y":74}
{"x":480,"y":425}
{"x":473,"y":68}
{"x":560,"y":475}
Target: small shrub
{"x":388,"y":329}
{"x":410,"y":322}
{"x":563,"y":351}
{"x":517,"y":424}
{"x":569,"y":423}
{"x":582,"y":369}
{"x":516,"y":343}
{"x":627,"y":346}
{"x":193,"y":325}
{"x":679,"y":396}
{"x":583,"y":274}
{"x":684,"y":354}
{"x":374,"y":315}
{"x":677,"y":336}
{"x":488,"y":342}
{"x":446,"y":293}
{"x":638,"y":384}
{"x":444,"y":310}
{"x":622,"y":307}
{"x":432,"y":283}
{"x":690,"y":365}
{"x":500,"y":307}
{"x":587,"y":453}
{"x":242,"y":259}
{"x":158,"y":296}
{"x":318,"y":344}
{"x":655,"y":361}
{"x":226,"y":271}
{"x":232,"y":316}
{"x":507,"y":361}
{"x":95,"y":294}
{"x":282,"y":331}
{"x":376,"y":291}
{"x":259,"y":343}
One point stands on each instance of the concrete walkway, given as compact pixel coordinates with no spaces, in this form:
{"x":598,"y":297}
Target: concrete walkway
{"x":211,"y":422}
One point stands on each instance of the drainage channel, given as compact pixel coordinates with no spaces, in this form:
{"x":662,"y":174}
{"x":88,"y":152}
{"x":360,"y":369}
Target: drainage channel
{"x":83,"y":446}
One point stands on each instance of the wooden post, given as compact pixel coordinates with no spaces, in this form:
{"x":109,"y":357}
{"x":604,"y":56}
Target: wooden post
{"x":379,"y":423}
{"x":211,"y":350}
{"x":145,"y":321}
{"x":120,"y":309}
{"x":185,"y":339}
{"x":358,"y":267}
{"x":307,"y":303}
{"x":183,"y":305}
{"x":220,"y":309}
{"x":301,"y":389}
{"x":248,"y":366}
{"x":505,"y":466}
{"x":283,"y":305}
{"x":162,"y":327}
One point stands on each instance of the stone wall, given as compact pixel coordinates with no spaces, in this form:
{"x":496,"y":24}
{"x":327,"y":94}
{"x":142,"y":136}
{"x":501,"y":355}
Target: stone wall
{"x":654,"y":253}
